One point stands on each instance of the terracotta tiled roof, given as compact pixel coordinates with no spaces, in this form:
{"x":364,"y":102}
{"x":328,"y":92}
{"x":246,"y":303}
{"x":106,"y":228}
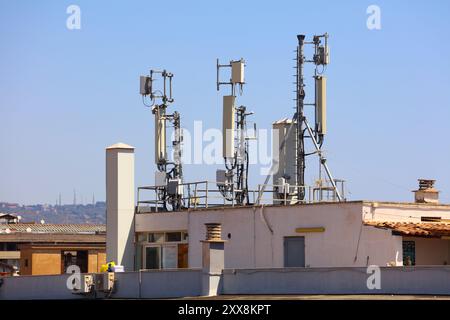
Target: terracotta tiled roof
{"x":52,"y":228}
{"x":419,"y":229}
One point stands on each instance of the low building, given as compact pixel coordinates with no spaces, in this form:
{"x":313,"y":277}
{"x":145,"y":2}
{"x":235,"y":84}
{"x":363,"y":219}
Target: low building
{"x":42,"y":249}
{"x":347,"y":234}
{"x":311,"y":234}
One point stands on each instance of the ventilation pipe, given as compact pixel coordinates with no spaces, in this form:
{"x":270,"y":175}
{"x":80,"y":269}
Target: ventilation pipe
{"x":213,"y":259}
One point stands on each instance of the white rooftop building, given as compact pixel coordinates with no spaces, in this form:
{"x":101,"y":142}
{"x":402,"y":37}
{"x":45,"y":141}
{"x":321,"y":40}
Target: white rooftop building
{"x":320,"y":234}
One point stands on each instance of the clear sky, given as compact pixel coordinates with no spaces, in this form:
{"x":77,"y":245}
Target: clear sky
{"x":67,"y":94}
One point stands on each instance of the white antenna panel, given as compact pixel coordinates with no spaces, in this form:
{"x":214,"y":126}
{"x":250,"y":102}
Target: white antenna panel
{"x":228,"y":126}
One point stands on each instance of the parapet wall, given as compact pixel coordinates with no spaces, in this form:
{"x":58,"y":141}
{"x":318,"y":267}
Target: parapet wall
{"x":430,"y":280}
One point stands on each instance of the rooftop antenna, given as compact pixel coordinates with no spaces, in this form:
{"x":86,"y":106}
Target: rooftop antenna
{"x":233,"y":182}
{"x":320,"y":59}
{"x":169,"y":174}
{"x":303,"y":130}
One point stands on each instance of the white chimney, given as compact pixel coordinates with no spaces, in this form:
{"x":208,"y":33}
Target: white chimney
{"x":120,"y":205}
{"x":426,"y":192}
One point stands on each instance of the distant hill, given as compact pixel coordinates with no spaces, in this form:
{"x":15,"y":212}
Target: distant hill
{"x":89,"y":213}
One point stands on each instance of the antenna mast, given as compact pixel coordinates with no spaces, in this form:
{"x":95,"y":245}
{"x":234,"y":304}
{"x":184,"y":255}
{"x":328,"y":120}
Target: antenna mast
{"x":320,"y":58}
{"x":233,"y":182}
{"x":169,"y":176}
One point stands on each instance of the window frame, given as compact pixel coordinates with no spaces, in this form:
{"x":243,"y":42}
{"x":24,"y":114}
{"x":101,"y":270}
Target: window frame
{"x":160,"y":254}
{"x":164,"y":243}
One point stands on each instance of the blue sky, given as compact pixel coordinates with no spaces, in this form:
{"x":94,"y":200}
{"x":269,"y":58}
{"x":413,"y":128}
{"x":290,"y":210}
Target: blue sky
{"x":67,"y":94}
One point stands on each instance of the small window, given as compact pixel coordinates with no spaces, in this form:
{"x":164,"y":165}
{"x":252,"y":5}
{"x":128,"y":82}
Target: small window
{"x":156,"y":237}
{"x":409,"y":253}
{"x":11,"y":246}
{"x":430,"y":219}
{"x":141,"y":237}
{"x":173,"y":236}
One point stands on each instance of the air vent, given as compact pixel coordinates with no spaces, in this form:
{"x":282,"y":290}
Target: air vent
{"x":430,"y":219}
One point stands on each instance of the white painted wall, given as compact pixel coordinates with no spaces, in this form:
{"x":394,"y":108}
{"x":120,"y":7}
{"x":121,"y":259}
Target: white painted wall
{"x":403,"y":212}
{"x":181,"y":283}
{"x":345,"y":242}
{"x":120,"y":205}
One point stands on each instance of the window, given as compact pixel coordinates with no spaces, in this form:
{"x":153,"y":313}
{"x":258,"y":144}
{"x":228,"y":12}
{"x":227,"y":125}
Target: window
{"x":161,"y":237}
{"x":430,"y":219}
{"x":409,"y":253}
{"x":161,"y":257}
{"x":173,"y":236}
{"x":79,"y":258}
{"x":141,"y":237}
{"x":11,"y":246}
{"x":162,"y":250}
{"x":156,"y":237}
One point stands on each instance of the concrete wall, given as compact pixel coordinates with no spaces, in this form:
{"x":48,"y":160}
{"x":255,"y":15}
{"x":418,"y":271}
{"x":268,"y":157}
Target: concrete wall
{"x":257,"y":235}
{"x":158,"y":284}
{"x":36,"y":287}
{"x":394,"y":280}
{"x":180,"y":283}
{"x":129,"y":285}
{"x":403,"y":212}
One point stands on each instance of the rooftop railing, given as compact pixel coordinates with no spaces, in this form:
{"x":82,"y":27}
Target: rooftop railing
{"x":209,"y":194}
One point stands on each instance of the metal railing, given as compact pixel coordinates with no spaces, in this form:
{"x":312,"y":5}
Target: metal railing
{"x":206,"y":194}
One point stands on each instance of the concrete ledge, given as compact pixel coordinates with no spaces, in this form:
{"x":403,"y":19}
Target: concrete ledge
{"x":394,"y":280}
{"x":9,"y":254}
{"x":150,"y":284}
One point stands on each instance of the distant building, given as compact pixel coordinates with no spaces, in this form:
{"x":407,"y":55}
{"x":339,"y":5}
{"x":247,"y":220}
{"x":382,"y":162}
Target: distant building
{"x":42,"y":249}
{"x":8,"y":218}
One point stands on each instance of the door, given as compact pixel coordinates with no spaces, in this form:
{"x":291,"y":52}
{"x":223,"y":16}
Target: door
{"x":183,"y":255}
{"x":152,"y":257}
{"x":169,"y":257}
{"x":294,"y":252}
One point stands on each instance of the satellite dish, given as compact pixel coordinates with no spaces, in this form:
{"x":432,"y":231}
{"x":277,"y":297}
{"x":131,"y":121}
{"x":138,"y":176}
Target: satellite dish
{"x":28,"y":229}
{"x":42,"y":221}
{"x":8,"y":230}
